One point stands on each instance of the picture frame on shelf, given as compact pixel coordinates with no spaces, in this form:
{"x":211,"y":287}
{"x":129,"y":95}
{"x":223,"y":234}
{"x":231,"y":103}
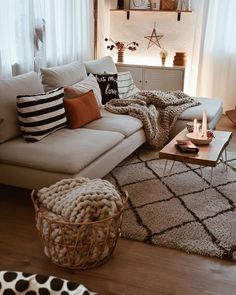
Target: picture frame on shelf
{"x":184,"y":5}
{"x":139,"y":4}
{"x":168,"y":5}
{"x":155,"y":4}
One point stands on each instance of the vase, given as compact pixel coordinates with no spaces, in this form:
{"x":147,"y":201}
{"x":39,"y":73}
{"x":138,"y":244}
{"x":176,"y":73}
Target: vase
{"x":120,"y":4}
{"x":180,"y":59}
{"x":120,"y":56}
{"x":163,"y":61}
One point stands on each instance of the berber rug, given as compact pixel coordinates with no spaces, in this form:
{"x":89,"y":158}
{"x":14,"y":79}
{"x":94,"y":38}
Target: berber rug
{"x":183,"y":213}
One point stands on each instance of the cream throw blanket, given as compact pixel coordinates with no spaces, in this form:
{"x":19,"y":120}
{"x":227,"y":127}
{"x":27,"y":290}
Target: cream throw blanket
{"x":157,"y":110}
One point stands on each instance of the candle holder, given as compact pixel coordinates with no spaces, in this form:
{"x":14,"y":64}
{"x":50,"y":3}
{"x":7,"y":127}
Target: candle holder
{"x":198,"y":132}
{"x":198,"y":139}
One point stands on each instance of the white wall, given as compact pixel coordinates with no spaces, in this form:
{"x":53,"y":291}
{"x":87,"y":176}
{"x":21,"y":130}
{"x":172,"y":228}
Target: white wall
{"x":178,"y":35}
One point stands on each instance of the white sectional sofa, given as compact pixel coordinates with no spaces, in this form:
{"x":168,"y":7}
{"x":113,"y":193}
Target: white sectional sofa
{"x":91,"y":151}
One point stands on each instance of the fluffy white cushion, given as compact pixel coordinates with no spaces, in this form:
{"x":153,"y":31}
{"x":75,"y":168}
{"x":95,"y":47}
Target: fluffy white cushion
{"x":9,"y":89}
{"x":62,"y":75}
{"x":90,"y":83}
{"x":101,"y":66}
{"x":126,"y":87}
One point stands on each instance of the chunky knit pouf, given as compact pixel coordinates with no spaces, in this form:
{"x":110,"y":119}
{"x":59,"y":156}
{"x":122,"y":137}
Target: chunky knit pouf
{"x":79,"y":221}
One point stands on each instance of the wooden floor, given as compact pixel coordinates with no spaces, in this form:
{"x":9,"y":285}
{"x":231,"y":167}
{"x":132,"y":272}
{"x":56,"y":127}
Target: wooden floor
{"x":135,"y":268}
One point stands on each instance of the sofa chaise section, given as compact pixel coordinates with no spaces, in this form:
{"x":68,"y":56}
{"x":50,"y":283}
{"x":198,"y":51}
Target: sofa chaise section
{"x":214,"y":108}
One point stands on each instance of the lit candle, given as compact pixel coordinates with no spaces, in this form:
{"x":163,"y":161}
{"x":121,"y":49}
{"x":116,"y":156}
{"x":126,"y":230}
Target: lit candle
{"x":198,"y":129}
{"x":204,"y":124}
{"x":194,"y":126}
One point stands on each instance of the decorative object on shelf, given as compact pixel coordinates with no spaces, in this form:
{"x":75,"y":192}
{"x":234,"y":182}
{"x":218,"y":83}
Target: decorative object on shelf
{"x":121,"y":47}
{"x":184,"y":5}
{"x":154,"y":38}
{"x":139,"y":4}
{"x":120,"y":4}
{"x":168,"y":5}
{"x":163,"y":54}
{"x":155,"y":4}
{"x":180,"y":59}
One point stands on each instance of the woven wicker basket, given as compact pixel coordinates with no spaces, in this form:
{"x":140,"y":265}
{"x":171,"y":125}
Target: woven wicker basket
{"x":77,"y":245}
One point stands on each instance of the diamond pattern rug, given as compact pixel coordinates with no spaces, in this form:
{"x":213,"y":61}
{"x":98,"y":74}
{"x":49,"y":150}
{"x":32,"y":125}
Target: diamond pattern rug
{"x":179,"y":214}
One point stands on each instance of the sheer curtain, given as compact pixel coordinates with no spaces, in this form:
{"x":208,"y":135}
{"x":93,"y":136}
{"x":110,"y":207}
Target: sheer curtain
{"x":217,"y":59}
{"x":35,"y":33}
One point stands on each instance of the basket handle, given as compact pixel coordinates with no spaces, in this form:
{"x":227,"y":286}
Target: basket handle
{"x":124,"y":197}
{"x":34,"y":198}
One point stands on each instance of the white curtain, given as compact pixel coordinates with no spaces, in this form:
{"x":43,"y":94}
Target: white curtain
{"x":217,"y":59}
{"x":36,"y":33}
{"x":103,"y":26}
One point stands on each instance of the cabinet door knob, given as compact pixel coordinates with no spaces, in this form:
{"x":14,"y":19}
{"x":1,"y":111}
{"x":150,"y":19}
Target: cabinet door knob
{"x":145,"y":81}
{"x":140,"y":81}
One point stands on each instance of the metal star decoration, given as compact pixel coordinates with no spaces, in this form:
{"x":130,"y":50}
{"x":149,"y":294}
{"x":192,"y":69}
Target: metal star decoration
{"x":154,"y":38}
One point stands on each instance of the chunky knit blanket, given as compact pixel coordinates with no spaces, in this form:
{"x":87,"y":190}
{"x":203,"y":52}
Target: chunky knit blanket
{"x":81,"y":199}
{"x":157,"y":110}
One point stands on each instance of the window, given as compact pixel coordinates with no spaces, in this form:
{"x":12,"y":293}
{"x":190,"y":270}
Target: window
{"x":36,"y":33}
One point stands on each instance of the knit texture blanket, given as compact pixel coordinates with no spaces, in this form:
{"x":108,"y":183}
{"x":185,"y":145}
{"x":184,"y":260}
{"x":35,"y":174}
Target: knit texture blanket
{"x":81,"y":199}
{"x":157,"y":110}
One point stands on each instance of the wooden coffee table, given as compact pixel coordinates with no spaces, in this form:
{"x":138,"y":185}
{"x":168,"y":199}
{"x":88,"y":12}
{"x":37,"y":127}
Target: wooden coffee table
{"x":208,"y":155}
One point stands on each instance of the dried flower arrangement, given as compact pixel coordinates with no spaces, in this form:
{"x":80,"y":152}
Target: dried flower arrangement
{"x":163,"y":53}
{"x":121,"y":45}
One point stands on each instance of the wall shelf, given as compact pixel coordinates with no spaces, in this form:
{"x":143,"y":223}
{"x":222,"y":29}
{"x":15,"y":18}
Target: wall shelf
{"x":150,"y":10}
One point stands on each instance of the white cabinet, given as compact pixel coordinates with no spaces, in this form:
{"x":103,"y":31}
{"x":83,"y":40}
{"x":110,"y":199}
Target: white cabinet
{"x":155,"y":78}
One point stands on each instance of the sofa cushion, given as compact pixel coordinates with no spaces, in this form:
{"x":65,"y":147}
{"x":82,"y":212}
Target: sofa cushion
{"x":81,"y":110}
{"x":90,"y":83}
{"x":125,"y":124}
{"x":65,"y":151}
{"x":126,"y":87}
{"x":23,"y":84}
{"x":101,"y":66}
{"x":62,"y":75}
{"x":108,"y":86}
{"x":41,"y":114}
{"x":213,"y":106}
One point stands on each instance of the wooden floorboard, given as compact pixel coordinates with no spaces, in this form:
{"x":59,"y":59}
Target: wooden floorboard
{"x":135,"y":268}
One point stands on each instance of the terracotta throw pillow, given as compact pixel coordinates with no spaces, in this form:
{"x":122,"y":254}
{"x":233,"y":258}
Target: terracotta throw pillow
{"x":81,"y":110}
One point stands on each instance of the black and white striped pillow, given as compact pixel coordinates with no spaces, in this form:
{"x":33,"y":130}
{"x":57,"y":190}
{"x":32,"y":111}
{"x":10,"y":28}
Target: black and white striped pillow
{"x":126,"y":86}
{"x":41,"y":114}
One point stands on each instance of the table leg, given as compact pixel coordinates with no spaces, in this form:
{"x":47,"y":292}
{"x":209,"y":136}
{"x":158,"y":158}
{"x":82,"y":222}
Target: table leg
{"x":211,"y":177}
{"x":164,"y":172}
{"x":202,"y":178}
{"x":226,"y":159}
{"x":171,"y":168}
